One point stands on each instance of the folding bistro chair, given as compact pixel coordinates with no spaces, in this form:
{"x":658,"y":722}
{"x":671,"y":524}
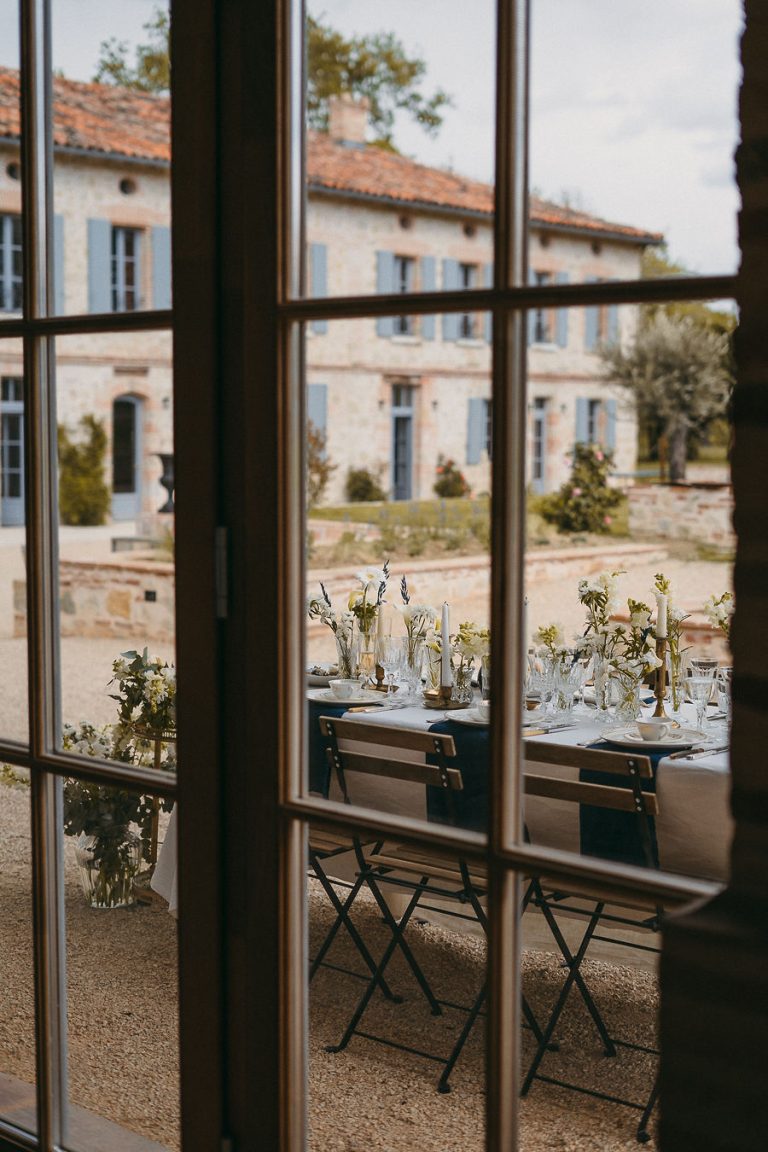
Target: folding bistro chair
{"x":614,"y":785}
{"x":419,"y":874}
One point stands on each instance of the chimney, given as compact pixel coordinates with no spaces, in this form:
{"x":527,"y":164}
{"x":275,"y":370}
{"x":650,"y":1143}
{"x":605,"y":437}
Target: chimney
{"x":348,"y":119}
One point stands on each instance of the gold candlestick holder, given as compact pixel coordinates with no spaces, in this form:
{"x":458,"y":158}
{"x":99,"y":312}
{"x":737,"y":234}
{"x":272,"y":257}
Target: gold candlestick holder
{"x":660,"y":690}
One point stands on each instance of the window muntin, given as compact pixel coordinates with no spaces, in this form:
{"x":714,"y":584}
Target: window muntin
{"x":126,"y":269}
{"x":10,"y":263}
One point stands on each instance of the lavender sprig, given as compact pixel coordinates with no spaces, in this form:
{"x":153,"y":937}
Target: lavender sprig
{"x":404,"y":591}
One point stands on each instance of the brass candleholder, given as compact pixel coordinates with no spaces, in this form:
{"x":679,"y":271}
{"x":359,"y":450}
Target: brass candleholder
{"x":660,"y":690}
{"x":440,"y":697}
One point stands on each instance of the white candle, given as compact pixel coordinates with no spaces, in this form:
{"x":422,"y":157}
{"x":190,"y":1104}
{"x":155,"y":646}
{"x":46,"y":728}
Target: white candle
{"x":445,"y":649}
{"x":661,"y":616}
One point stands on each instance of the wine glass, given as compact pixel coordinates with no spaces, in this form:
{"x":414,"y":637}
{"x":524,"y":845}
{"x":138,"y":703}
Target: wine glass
{"x":700,"y":691}
{"x":390,"y":658}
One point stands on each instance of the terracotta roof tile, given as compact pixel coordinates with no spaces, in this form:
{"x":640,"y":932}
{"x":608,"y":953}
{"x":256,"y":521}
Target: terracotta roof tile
{"x":101,"y":118}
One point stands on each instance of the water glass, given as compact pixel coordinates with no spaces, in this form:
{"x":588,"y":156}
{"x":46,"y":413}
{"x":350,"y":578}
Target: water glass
{"x":390,"y":654}
{"x":700,"y":691}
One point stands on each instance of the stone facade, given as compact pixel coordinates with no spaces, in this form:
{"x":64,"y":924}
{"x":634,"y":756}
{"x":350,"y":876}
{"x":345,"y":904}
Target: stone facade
{"x":702,"y":513}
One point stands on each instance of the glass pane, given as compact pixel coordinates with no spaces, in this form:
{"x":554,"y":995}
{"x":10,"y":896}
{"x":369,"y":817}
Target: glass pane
{"x":116,"y":566}
{"x":400,"y":196}
{"x":623,"y":139}
{"x":630,"y":542}
{"x":121,"y":955}
{"x":17,"y":1005}
{"x":399,"y":543}
{"x":112,"y":160}
{"x":10,"y":161}
{"x":13,"y":612}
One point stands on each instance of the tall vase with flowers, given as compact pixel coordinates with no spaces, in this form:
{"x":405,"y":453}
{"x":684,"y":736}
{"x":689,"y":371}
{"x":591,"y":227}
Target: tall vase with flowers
{"x":600,"y":599}
{"x":469,"y":644}
{"x":342,"y":625}
{"x":676,"y":617}
{"x":365,"y":604}
{"x":418,"y":619}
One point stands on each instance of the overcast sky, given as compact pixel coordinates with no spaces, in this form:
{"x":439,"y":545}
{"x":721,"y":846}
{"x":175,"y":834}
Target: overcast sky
{"x":633,"y":102}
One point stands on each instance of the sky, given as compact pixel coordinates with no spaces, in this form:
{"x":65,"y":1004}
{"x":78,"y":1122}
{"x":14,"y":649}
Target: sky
{"x":633,"y":102}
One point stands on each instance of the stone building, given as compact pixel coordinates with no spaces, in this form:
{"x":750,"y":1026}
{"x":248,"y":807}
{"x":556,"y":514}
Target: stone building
{"x":390,"y":395}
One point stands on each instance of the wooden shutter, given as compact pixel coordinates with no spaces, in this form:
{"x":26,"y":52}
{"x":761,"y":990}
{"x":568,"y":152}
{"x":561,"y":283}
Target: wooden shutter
{"x":531,"y":326}
{"x":58,"y":264}
{"x":451,"y":283}
{"x":318,"y":280}
{"x":610,"y":425}
{"x":99,"y":266}
{"x":582,"y":421}
{"x":612,"y":336}
{"x":561,"y":318}
{"x":476,"y":425}
{"x":385,"y":283}
{"x":428,"y":284}
{"x":161,"y":267}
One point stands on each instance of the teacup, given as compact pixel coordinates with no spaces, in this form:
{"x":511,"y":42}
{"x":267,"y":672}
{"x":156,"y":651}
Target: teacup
{"x":345,"y":689}
{"x":653,"y":728}
{"x":483,"y":710}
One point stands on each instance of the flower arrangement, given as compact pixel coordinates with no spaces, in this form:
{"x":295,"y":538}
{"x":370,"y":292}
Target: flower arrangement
{"x":550,"y":641}
{"x":363,"y":604}
{"x":419,"y":619}
{"x":365,"y":601}
{"x":468,"y":644}
{"x":719,"y":611}
{"x":600,"y":598}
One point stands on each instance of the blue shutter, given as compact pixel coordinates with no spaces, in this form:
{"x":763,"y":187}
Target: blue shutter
{"x":161,"y":267}
{"x":428,"y":284}
{"x":582,"y":421}
{"x":58,"y":265}
{"x":100,"y":266}
{"x":476,"y":430}
{"x":591,"y":322}
{"x":318,"y":279}
{"x":561,"y":319}
{"x":451,"y":283}
{"x":488,"y":317}
{"x":610,"y":425}
{"x":385,"y":283}
{"x":532,"y":311}
{"x":613,"y":324}
{"x":317,"y":406}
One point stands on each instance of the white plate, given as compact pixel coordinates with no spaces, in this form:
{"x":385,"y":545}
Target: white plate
{"x":317,"y":679}
{"x":629,"y":737}
{"x":467,"y":716}
{"x":327,"y":697}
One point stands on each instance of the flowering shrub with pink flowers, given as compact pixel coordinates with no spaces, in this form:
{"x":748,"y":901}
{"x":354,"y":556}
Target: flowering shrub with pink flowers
{"x":585,"y":503}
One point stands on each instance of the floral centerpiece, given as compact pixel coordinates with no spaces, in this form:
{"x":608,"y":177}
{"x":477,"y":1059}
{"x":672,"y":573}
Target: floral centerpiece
{"x":600,"y":598}
{"x":363,"y":605}
{"x":719,"y":610}
{"x":470,"y":643}
{"x":419,"y":620}
{"x":117,"y":827}
{"x":341,"y":624}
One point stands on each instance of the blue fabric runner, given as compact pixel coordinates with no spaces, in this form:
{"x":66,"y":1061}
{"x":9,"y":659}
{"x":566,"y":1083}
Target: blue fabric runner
{"x":613,"y":835}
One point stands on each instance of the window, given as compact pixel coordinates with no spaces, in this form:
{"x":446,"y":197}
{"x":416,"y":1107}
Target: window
{"x":596,"y":422}
{"x":10,"y":264}
{"x":489,"y":429}
{"x":469,"y":278}
{"x":601,"y":322}
{"x":539,"y":446}
{"x":398,"y":274}
{"x":405,"y":275}
{"x":126,"y":269}
{"x":543,"y":318}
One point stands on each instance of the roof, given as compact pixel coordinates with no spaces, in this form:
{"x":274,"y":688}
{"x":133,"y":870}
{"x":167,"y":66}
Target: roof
{"x":120,"y":122}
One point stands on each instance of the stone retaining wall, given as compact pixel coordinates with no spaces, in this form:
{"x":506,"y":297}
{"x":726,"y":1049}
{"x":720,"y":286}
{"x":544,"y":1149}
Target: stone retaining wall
{"x":699,"y":512}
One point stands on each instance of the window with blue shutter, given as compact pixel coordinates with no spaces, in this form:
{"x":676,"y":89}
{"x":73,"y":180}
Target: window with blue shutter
{"x":488,"y":317}
{"x":612,"y":333}
{"x":99,"y":266}
{"x":10,"y":264}
{"x":428,"y":284}
{"x":318,"y":280}
{"x":582,"y":421}
{"x":126,"y":269}
{"x":476,"y":429}
{"x":561,"y":316}
{"x":161,"y":267}
{"x":531,"y":323}
{"x":451,"y":283}
{"x":317,"y":407}
{"x":385,"y":284}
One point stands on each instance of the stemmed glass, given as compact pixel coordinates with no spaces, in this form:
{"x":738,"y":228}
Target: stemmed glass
{"x":699,"y":682}
{"x":391,"y":658}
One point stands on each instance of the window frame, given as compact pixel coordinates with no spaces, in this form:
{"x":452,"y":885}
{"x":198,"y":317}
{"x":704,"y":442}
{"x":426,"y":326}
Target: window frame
{"x":126,"y":297}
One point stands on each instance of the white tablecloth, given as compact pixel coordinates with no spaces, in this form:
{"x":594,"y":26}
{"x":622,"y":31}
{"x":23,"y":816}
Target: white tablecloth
{"x":693,"y":828}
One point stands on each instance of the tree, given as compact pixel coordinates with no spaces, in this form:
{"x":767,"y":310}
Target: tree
{"x":83,"y":492}
{"x":376,"y":67}
{"x":319,"y":467}
{"x":657,"y":262}
{"x":679,"y":373}
{"x":152,"y":70}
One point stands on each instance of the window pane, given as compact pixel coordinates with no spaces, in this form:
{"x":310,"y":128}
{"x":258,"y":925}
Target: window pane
{"x":112,"y":155}
{"x":17,"y":1006}
{"x":412,"y":495}
{"x":629,"y":481}
{"x":116,"y":569}
{"x":122,"y":1001}
{"x":405,"y":215}
{"x":623,"y":139}
{"x":13,"y":616}
{"x":10,"y":161}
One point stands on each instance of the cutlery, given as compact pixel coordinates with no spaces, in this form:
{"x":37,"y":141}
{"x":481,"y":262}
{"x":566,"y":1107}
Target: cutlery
{"x":546,"y":731}
{"x":695,"y":753}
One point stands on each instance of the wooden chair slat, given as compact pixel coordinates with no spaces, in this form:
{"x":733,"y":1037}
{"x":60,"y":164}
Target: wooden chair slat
{"x":580,"y":792}
{"x":408,"y":738}
{"x":590,"y":759}
{"x":409,"y":770}
{"x":436,"y":868}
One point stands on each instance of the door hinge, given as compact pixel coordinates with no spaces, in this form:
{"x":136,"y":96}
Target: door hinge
{"x":221,"y":558}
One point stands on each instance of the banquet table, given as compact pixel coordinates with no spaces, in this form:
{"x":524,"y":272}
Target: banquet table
{"x":693,"y":829}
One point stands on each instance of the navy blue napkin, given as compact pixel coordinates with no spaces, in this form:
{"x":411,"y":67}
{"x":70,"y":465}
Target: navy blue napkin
{"x":468,"y":808}
{"x":613,"y":835}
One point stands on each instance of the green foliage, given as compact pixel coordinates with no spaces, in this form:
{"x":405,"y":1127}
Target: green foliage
{"x":151,"y":71}
{"x":584,"y":503}
{"x":319,"y":467}
{"x":362,"y":486}
{"x":376,"y":67}
{"x":83,"y":492}
{"x":450,"y":481}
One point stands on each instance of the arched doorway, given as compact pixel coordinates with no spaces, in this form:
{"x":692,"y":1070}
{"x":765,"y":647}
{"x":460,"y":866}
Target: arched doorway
{"x":126,"y":457}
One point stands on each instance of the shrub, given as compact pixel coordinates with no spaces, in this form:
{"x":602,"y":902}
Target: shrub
{"x":450,"y":480}
{"x":319,"y":467}
{"x":83,"y":491}
{"x":585,"y":502}
{"x":363,"y":485}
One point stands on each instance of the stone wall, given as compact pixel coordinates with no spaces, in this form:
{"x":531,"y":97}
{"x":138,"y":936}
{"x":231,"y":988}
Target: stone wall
{"x":130,"y":598}
{"x":699,"y":512}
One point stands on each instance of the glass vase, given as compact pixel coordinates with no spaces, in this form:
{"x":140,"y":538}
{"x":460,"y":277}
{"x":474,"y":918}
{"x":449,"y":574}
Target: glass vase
{"x":602,"y":679}
{"x":625,"y":697}
{"x":108,"y":868}
{"x":345,"y":655}
{"x":366,"y":654}
{"x":461,"y":691}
